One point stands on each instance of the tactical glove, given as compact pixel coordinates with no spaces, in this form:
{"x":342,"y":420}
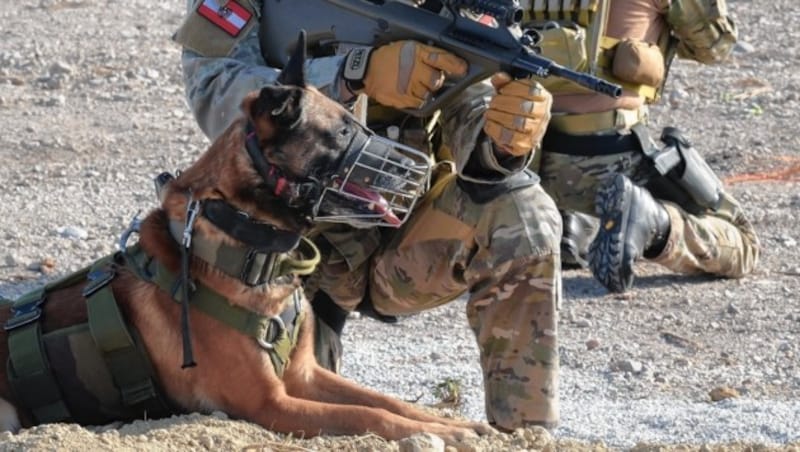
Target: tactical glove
{"x":401,"y":74}
{"x":518,"y":114}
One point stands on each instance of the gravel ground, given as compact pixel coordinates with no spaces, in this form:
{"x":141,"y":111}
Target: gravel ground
{"x":91,"y":108}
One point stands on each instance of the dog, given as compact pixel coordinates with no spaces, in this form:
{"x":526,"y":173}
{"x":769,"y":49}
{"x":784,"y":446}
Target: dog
{"x":256,"y":183}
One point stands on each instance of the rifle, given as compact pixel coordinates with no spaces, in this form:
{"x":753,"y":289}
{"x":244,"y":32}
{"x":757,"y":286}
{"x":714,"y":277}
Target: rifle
{"x":488,"y":49}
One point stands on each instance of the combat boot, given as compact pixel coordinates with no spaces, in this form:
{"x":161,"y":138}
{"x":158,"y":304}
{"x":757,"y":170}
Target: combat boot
{"x":632,"y":225}
{"x":329,"y":320}
{"x":577,"y":235}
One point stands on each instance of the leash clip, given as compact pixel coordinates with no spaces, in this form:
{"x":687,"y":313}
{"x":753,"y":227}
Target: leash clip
{"x":191,"y":216}
{"x":133,"y":226}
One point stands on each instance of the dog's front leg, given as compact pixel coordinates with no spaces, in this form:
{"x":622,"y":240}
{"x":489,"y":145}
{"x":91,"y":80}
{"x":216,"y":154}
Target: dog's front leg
{"x":307,"y":418}
{"x":326,"y":386}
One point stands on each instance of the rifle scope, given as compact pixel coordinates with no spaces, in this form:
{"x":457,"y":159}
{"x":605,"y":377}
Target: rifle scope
{"x":506,"y":12}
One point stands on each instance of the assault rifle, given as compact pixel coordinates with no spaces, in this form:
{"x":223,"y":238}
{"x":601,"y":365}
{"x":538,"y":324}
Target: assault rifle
{"x":487,"y":47}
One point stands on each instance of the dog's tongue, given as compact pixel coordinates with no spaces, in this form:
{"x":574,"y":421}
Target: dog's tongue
{"x":377,"y":203}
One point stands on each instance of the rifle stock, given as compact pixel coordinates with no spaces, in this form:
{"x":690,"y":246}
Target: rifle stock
{"x":487,"y":49}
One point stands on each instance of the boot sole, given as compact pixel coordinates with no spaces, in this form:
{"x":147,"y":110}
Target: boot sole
{"x":606,"y":253}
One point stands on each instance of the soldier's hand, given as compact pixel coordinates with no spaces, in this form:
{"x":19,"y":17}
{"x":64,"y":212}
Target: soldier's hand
{"x":402,"y":74}
{"x":518,"y":114}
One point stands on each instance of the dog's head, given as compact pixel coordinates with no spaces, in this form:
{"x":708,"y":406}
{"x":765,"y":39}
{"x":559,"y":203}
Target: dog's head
{"x":315,"y":156}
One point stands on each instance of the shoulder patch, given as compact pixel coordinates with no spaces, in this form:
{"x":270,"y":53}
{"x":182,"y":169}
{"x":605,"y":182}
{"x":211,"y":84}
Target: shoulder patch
{"x":213,"y":27}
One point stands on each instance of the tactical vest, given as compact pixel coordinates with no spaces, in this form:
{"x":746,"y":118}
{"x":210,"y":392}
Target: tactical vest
{"x":98,"y":371}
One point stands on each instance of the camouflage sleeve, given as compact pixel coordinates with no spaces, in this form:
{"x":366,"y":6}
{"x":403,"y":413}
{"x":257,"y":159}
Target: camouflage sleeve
{"x":473,"y":152}
{"x":215,"y":86}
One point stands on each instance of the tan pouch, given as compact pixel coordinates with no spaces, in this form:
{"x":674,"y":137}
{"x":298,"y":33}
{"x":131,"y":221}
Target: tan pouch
{"x":213,"y":27}
{"x":638,"y":62}
{"x":567,"y":47}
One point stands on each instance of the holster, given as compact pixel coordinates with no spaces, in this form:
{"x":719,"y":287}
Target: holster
{"x":683,"y":176}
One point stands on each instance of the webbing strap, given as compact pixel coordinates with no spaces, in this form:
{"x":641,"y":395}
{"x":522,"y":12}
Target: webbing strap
{"x":257,"y":326}
{"x":129,"y":367}
{"x":30,"y":375}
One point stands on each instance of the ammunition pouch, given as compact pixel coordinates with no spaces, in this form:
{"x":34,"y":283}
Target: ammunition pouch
{"x":481,"y":193}
{"x":638,"y":62}
{"x":685,"y":177}
{"x":705,"y":32}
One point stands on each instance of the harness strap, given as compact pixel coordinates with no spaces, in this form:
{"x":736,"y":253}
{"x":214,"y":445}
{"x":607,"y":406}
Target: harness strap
{"x":129,"y":367}
{"x":31,"y":378}
{"x":277,"y":334}
{"x":250,"y":265}
{"x":30,"y":375}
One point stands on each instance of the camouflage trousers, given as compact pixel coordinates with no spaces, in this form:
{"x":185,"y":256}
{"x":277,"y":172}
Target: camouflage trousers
{"x":721,"y":242}
{"x":504,"y":254}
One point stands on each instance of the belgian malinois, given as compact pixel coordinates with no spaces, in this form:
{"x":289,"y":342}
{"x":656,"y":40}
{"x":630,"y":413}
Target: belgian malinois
{"x":252,"y":189}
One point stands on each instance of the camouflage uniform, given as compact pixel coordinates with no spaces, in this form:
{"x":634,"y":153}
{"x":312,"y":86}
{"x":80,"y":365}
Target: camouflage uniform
{"x":720,"y":242}
{"x":503,"y":253}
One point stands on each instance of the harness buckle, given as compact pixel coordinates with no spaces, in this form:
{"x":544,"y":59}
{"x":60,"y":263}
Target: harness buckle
{"x":281,"y":327}
{"x":257,"y":267}
{"x":97,"y":280}
{"x":192,"y":210}
{"x":24,"y":314}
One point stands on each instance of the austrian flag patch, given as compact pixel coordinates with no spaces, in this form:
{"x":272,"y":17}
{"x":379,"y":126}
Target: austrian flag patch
{"x":230,"y":16}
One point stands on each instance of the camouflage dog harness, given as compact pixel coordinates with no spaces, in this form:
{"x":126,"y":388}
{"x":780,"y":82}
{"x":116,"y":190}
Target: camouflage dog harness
{"x":98,"y":371}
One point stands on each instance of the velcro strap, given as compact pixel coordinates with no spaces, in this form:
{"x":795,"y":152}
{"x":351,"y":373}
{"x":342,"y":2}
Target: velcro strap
{"x":130,"y":369}
{"x":31,"y":378}
{"x":355,"y":67}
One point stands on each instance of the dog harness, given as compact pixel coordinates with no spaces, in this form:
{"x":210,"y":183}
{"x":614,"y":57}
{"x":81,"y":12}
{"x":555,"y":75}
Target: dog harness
{"x":98,"y":371}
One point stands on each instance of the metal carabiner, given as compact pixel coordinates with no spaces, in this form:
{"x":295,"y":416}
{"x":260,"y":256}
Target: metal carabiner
{"x":262,"y":341}
{"x":133,"y":226}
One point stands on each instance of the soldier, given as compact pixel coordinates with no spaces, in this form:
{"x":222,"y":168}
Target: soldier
{"x":665,"y":205}
{"x":485,"y":228}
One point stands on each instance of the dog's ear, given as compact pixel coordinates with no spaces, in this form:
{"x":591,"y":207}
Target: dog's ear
{"x":274,"y":107}
{"x":294,"y":73}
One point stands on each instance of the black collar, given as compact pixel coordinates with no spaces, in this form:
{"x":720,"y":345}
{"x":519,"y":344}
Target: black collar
{"x":237,"y":224}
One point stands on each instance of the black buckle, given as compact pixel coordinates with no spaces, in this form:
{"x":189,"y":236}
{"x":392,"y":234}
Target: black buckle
{"x":97,"y":280}
{"x":263,"y":274}
{"x":24,"y":314}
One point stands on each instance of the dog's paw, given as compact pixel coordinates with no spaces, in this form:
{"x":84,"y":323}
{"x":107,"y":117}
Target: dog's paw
{"x":483,"y":428}
{"x":457,"y":436}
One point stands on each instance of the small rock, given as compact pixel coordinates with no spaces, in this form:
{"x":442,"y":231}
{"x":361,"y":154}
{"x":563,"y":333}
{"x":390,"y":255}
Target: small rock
{"x":583,"y":323}
{"x":732,"y":309}
{"x":11,"y":260}
{"x":207,"y":442}
{"x":681,"y":362}
{"x":722,"y":393}
{"x":55,"y":101}
{"x":628,"y":365}
{"x":743,"y":47}
{"x":592,"y":344}
{"x":59,"y":67}
{"x":73,"y":232}
{"x":422,"y":442}
{"x":47,"y":265}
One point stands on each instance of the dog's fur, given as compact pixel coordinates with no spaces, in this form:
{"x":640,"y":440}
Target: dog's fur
{"x":297,"y":129}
